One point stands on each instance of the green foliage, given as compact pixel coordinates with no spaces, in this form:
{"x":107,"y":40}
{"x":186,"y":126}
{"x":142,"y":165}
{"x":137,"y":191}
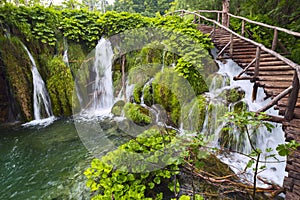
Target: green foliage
{"x":278,"y":13}
{"x":287,"y":148}
{"x":194,"y":77}
{"x":186,"y":197}
{"x":30,"y":23}
{"x":118,"y":174}
{"x":148,"y":8}
{"x":137,"y":113}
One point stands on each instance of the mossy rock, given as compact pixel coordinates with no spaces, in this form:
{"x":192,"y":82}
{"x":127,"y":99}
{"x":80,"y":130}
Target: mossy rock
{"x":137,"y":114}
{"x":148,"y":95}
{"x":172,"y":92}
{"x":17,"y":69}
{"x":215,"y":110}
{"x":217,"y":81}
{"x":117,"y":81}
{"x":142,"y":73}
{"x":137,"y":93}
{"x":240,"y":106}
{"x":193,"y":114}
{"x":117,"y":108}
{"x":233,"y":95}
{"x":60,"y":86}
{"x":76,"y":55}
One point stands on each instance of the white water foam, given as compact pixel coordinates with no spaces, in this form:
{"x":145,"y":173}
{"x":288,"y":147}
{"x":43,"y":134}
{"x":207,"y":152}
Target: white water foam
{"x":275,"y":171}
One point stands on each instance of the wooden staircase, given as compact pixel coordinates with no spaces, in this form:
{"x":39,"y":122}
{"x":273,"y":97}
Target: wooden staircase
{"x":275,"y":76}
{"x":278,"y":76}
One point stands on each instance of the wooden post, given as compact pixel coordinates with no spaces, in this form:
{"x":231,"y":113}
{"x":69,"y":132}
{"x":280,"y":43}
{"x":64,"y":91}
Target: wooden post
{"x":218,"y":17}
{"x":256,"y":71}
{"x":123,"y":76}
{"x":225,"y":16}
{"x":199,"y":19}
{"x":254,"y":91}
{"x":275,"y":38}
{"x":289,"y":112}
{"x":256,"y":74}
{"x":195,"y":19}
{"x":243,"y":27}
{"x":231,"y":45}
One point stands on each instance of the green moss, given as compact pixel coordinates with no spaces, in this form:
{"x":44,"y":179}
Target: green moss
{"x":76,"y":55}
{"x":148,"y":95}
{"x":172,"y":91}
{"x":137,"y":93}
{"x":137,"y":114}
{"x":233,"y":95}
{"x":140,"y":74}
{"x":117,"y":108}
{"x":18,"y":72}
{"x":117,"y":81}
{"x":60,"y":87}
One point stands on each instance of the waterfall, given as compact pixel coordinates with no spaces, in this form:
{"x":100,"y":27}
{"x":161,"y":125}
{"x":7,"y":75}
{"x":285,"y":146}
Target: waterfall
{"x":103,"y":92}
{"x":274,"y":171}
{"x":41,"y":100}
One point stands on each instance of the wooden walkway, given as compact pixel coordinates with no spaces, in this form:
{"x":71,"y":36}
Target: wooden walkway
{"x":278,"y":76}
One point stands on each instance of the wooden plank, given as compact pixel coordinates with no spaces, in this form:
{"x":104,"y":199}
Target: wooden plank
{"x":273,"y":68}
{"x":272,"y":85}
{"x":276,"y":78}
{"x":245,"y":60}
{"x":277,"y":73}
{"x":272,"y":63}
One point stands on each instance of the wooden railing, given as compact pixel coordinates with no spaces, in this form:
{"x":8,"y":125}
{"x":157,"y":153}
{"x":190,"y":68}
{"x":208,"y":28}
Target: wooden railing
{"x":293,"y":90}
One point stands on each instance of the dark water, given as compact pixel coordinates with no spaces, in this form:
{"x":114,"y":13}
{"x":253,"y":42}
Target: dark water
{"x":43,"y":163}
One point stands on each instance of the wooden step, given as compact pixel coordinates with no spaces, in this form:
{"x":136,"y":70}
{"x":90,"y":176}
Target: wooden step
{"x":269,"y":84}
{"x":271,"y":63}
{"x":276,"y":78}
{"x":272,"y":68}
{"x":277,"y":73}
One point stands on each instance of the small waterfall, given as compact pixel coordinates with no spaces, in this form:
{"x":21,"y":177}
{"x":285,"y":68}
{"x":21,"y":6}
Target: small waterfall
{"x":103,"y":92}
{"x":41,"y":100}
{"x":275,"y":171}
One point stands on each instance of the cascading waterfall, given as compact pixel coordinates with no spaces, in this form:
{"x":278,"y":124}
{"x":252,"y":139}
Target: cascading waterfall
{"x":41,"y":101}
{"x":103,"y":92}
{"x":274,"y":171}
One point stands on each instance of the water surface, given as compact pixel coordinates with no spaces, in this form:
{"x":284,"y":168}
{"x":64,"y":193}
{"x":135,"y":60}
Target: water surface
{"x":43,"y":163}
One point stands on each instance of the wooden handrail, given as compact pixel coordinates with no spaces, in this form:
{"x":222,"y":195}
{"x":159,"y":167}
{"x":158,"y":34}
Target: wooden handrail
{"x":266,"y":25}
{"x":263,"y":48}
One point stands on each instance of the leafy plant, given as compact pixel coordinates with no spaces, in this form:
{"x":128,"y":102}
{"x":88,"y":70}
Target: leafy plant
{"x":124,"y":174}
{"x":247,"y":122}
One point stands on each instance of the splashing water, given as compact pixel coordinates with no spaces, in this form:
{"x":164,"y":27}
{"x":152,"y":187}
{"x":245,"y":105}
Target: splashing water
{"x":103,"y":92}
{"x":274,"y":171}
